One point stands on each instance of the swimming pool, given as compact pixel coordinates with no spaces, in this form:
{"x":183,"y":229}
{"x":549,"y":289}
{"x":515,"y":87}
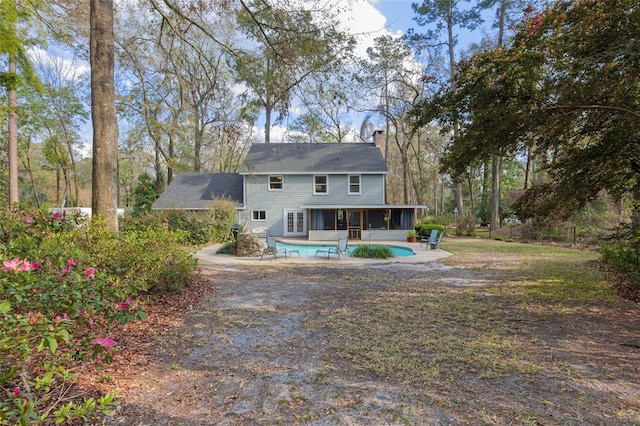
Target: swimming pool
{"x":310,"y":249}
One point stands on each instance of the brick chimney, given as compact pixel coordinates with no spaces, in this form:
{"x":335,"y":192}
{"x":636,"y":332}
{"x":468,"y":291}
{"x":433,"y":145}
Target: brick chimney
{"x":380,"y":141}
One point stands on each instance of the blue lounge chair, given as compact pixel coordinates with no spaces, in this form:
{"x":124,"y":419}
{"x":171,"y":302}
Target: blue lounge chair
{"x":272,"y":249}
{"x":434,"y":244}
{"x":430,"y":239}
{"x":338,"y":250}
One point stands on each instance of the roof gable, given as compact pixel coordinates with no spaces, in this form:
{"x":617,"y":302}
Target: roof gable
{"x":307,"y":158}
{"x":198,"y":190}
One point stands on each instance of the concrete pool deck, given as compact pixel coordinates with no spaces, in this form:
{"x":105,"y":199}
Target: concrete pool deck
{"x":422,"y":255}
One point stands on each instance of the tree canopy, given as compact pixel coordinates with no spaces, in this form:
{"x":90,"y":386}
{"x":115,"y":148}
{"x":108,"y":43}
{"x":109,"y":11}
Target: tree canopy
{"x":567,"y":86}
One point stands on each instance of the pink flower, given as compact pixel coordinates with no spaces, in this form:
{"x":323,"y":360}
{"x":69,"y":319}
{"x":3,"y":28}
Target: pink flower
{"x":56,"y":319}
{"x":65,"y":316}
{"x":90,"y":272}
{"x":27,"y":220}
{"x":71,"y":262}
{"x":123,"y":306}
{"x":56,"y":216}
{"x":12,"y":265}
{"x":29,"y":266}
{"x":106,"y":342}
{"x":16,"y":392}
{"x":32,"y":320}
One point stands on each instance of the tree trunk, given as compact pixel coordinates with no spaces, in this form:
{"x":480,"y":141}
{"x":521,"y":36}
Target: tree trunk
{"x":159,"y":184}
{"x":495,"y":192}
{"x":472,"y":198}
{"x":527,"y":172}
{"x":267,"y":124}
{"x":197,"y":145}
{"x":452,"y":77}
{"x":104,"y":191}
{"x":635,"y":213}
{"x":13,"y":136}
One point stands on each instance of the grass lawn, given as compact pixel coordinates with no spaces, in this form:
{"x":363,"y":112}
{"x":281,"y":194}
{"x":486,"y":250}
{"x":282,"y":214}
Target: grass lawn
{"x":500,"y":313}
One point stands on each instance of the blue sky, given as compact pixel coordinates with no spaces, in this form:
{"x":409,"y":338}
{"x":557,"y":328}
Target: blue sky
{"x":399,"y":14}
{"x":399,"y":17}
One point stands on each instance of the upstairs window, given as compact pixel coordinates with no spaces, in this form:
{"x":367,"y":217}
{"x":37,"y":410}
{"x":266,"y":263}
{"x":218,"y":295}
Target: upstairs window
{"x":321,"y":184}
{"x":275,"y":183}
{"x":354,"y":184}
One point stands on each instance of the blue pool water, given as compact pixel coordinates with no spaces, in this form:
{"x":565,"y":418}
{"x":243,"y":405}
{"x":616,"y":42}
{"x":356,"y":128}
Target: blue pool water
{"x":310,"y":249}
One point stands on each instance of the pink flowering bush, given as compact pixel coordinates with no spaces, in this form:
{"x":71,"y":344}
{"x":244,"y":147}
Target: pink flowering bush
{"x":58,"y":309}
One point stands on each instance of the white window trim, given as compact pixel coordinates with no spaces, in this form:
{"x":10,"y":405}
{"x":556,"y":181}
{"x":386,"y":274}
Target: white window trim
{"x":269,"y":183}
{"x":359,"y":185}
{"x":314,"y":185}
{"x":253,"y":219}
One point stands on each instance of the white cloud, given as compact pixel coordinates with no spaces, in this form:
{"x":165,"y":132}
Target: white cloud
{"x":68,"y":69}
{"x":364,"y":21}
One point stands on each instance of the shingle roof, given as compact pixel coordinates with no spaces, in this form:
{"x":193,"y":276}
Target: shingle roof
{"x":314,"y":158}
{"x":198,"y":190}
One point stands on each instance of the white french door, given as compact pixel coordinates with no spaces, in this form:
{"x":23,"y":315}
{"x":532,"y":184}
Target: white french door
{"x":295,"y":223}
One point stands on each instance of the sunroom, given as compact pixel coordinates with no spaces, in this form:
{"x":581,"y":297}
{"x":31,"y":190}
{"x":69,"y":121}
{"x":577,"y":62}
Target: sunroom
{"x":366,"y":222}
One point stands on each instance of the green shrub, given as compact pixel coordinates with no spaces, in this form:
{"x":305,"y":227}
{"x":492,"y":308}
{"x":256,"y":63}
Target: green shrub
{"x":465,"y":225}
{"x":152,"y":259}
{"x":424,"y":229}
{"x":372,"y":251}
{"x":444,"y":220}
{"x":623,"y":256}
{"x":58,"y":311}
{"x":202,"y":226}
{"x":226,"y":248}
{"x":144,"y":194}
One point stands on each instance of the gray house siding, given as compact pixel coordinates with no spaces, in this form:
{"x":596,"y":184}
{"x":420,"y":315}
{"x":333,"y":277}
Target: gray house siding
{"x":298,"y":190}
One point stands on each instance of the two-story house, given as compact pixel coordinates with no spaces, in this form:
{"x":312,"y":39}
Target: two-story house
{"x":319,"y":191}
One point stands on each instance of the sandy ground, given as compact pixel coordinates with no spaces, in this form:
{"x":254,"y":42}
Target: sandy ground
{"x":254,"y":352}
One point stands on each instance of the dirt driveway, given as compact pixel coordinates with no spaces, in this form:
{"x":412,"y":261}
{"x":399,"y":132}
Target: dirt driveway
{"x":274,"y":344}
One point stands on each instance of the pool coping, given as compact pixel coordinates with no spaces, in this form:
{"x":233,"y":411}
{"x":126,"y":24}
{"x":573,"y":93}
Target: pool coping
{"x":423,"y":253}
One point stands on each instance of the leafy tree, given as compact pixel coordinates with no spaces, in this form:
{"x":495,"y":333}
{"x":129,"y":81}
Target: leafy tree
{"x":13,"y":33}
{"x":327,"y":106}
{"x":63,"y":114}
{"x":568,"y":86}
{"x":180,"y":101}
{"x":447,"y":15}
{"x":144,"y":194}
{"x":291,"y":46}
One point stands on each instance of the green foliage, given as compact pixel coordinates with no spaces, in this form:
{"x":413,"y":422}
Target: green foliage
{"x":151,"y":258}
{"x":372,"y":251}
{"x":424,"y":229}
{"x":443,"y":220}
{"x":60,"y":307}
{"x":465,"y":226}
{"x":623,"y":257}
{"x":622,"y":253}
{"x":561,"y":87}
{"x":201,"y":227}
{"x":144,"y":194}
{"x":226,"y":248}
